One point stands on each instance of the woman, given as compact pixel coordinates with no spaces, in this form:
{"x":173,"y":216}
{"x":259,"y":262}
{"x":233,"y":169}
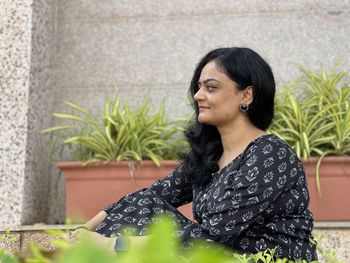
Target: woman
{"x":248,"y":187}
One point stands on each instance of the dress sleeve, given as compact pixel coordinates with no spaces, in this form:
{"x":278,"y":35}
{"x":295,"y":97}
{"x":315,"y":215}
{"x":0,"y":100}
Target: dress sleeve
{"x":246,"y":191}
{"x":175,"y":189}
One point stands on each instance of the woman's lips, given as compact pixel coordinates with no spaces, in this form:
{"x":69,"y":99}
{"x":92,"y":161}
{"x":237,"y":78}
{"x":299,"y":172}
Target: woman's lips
{"x":203,"y":108}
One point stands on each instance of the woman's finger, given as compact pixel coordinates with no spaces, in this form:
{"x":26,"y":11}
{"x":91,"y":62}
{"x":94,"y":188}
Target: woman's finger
{"x":76,"y":234}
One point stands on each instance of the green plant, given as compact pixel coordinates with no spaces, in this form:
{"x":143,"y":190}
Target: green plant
{"x":328,"y":255}
{"x":162,"y":247}
{"x":10,"y":241}
{"x":312,"y":114}
{"x":121,"y":133}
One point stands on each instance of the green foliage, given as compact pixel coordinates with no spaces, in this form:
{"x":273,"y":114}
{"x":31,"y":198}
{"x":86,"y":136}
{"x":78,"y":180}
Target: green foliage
{"x":312,"y":114}
{"x":86,"y":252}
{"x":162,"y":247}
{"x":121,"y":133}
{"x":7,"y":239}
{"x":328,"y":255}
{"x":6,"y":258}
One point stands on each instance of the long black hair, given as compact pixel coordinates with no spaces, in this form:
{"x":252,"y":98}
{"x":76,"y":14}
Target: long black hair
{"x":246,"y":68}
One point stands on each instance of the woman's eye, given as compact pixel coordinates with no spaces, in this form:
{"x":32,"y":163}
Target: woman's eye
{"x":210,"y":88}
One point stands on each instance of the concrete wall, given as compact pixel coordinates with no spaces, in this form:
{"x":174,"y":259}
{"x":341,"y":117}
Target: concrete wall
{"x":151,"y":47}
{"x":79,"y":50}
{"x":154,"y":45}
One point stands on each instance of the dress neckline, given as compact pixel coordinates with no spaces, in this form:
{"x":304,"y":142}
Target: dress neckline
{"x":239,"y":155}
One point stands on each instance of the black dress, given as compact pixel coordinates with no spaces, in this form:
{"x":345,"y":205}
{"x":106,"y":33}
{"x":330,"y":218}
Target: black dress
{"x":257,"y":201}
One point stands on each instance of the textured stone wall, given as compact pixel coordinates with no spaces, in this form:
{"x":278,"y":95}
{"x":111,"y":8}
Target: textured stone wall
{"x":41,"y":95}
{"x":15,"y":38}
{"x":26,"y":49}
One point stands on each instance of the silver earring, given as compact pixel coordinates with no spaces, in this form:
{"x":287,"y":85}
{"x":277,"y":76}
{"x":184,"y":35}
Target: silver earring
{"x":244,"y":107}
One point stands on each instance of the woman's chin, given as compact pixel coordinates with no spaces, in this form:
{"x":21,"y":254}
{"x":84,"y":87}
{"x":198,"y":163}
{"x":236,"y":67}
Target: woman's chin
{"x":201,"y":119}
{"x":204,"y":120}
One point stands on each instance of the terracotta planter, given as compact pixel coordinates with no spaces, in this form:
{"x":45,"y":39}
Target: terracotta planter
{"x":92,"y":187}
{"x":335,"y":188}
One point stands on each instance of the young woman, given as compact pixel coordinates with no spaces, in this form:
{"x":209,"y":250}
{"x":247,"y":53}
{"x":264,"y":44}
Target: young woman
{"x":248,"y":188}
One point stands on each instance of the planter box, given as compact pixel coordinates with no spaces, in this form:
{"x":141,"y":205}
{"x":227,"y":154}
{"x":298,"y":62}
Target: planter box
{"x":335,"y":188}
{"x":90,"y":188}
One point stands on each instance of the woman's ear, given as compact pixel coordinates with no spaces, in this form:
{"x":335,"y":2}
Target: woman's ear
{"x":248,"y":95}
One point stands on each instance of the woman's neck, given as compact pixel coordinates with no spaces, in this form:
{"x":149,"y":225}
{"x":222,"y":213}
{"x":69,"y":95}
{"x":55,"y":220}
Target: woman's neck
{"x":235,"y":138}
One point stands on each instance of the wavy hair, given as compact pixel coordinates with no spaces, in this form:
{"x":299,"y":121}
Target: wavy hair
{"x":246,"y":68}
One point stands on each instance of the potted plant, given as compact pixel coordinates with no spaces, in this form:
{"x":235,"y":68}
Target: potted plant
{"x":312,"y":114}
{"x":118,"y":152}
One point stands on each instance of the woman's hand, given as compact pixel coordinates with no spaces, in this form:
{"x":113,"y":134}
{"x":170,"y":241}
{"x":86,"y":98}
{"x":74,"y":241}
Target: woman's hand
{"x":98,"y":239}
{"x":105,"y":242}
{"x":76,"y":234}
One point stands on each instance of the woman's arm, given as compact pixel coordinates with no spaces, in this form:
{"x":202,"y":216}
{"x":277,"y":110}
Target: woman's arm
{"x":175,"y":189}
{"x":95,"y":221}
{"x":89,"y":225}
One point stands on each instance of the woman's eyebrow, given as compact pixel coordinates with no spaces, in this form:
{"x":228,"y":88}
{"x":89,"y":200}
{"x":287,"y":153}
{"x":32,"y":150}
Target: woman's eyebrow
{"x":207,"y":80}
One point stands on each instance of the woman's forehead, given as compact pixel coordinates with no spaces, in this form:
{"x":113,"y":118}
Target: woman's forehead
{"x":212,"y":71}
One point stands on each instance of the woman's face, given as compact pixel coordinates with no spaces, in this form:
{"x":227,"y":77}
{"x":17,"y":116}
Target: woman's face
{"x":218,"y":97}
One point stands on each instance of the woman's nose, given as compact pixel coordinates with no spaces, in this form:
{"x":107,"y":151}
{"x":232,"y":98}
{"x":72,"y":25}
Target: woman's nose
{"x":198,"y":95}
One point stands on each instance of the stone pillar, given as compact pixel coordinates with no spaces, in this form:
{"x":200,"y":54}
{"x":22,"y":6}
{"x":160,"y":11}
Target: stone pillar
{"x":26,"y":31}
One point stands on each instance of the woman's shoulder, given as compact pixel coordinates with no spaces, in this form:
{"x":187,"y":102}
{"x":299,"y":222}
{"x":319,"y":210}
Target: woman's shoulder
{"x":274,"y":156}
{"x":270,"y":144}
